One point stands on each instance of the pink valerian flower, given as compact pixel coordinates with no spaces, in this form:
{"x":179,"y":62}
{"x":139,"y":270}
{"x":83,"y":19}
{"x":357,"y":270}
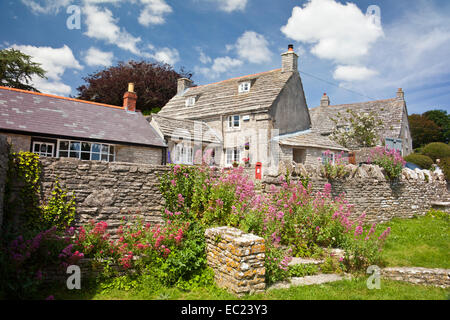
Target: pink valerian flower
{"x":219,"y":203}
{"x":385,"y":234}
{"x":180,"y":200}
{"x":173,"y":183}
{"x":358,"y":231}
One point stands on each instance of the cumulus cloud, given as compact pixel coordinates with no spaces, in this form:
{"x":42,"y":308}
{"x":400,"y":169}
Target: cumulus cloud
{"x":205,"y":59}
{"x":253,"y":48}
{"x":353,"y":73}
{"x":232,"y":5}
{"x":46,"y":6}
{"x":55,"y":61}
{"x":96,"y":57}
{"x":219,"y":66}
{"x":154,"y":12}
{"x":338,"y":32}
{"x":164,"y":55}
{"x":101,"y":25}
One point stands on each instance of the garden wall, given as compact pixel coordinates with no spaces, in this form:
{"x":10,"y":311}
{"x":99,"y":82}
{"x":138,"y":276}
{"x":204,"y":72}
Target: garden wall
{"x":107,"y":191}
{"x":4,"y":150}
{"x":368,"y":190}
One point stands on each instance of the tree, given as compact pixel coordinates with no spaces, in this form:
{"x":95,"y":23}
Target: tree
{"x":17,"y":70}
{"x":423,"y":130}
{"x":356,"y":130}
{"x":442,"y":119}
{"x":155,"y":84}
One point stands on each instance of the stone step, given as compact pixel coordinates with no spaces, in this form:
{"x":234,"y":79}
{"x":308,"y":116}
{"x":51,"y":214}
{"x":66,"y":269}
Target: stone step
{"x":309,"y":280}
{"x":297,"y":261}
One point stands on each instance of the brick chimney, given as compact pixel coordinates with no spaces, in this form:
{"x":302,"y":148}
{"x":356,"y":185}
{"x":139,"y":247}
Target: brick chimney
{"x":289,"y":60}
{"x":400,"y":94}
{"x":183,"y":84}
{"x":325,"y":101}
{"x":130,"y":98}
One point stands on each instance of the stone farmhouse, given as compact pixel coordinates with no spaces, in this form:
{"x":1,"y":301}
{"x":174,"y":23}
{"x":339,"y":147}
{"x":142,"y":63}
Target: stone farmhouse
{"x":59,"y":127}
{"x":393,"y":113}
{"x":259,"y":119}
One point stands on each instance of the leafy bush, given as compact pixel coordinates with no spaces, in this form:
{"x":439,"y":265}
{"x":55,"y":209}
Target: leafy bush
{"x":391,"y":161}
{"x":445,"y":167}
{"x":334,"y":170}
{"x":59,"y":210}
{"x":422,"y":161}
{"x":436,"y":150}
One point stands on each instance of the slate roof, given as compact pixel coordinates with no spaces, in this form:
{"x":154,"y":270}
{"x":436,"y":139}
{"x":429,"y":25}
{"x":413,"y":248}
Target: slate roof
{"x":390,"y":111}
{"x":185,"y":129}
{"x":42,"y":114}
{"x":223,"y":97}
{"x":311,"y":139}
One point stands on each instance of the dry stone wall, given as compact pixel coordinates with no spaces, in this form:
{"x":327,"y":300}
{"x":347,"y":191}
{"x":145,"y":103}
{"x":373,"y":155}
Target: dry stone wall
{"x":423,"y":276}
{"x":237,"y":260}
{"x":107,"y":191}
{"x":369,"y":191}
{"x":4,"y":150}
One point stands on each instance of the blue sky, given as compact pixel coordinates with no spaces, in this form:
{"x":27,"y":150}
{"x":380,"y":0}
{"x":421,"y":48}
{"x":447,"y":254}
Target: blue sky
{"x":351,"y":54}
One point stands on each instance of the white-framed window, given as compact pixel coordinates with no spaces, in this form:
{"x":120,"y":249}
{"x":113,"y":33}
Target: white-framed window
{"x":190,"y":102}
{"x":244,"y":87}
{"x":233,"y":155}
{"x":86,"y":150}
{"x":43,"y":149}
{"x":234,"y":122}
{"x":184,"y":154}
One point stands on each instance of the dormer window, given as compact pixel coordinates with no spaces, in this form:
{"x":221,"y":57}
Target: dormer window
{"x":244,"y":87}
{"x":190,"y":102}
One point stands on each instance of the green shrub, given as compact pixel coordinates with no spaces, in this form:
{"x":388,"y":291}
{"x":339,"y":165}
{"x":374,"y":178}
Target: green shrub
{"x":425,"y":162}
{"x":437,"y":150}
{"x":445,"y":167}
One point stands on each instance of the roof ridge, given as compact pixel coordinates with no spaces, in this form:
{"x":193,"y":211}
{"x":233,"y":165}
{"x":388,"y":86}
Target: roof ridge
{"x":62,"y":98}
{"x":355,"y":103}
{"x":236,"y":78}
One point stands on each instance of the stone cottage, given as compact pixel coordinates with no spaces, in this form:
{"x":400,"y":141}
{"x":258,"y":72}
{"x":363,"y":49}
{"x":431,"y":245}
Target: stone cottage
{"x":60,"y":127}
{"x":261,"y":118}
{"x":394,"y":131}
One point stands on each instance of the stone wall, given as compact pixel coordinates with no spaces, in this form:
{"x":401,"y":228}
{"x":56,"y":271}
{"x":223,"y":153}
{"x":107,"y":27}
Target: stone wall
{"x":107,"y":191}
{"x":4,"y":151}
{"x":367,"y":189}
{"x":237,"y":260}
{"x":423,"y":276}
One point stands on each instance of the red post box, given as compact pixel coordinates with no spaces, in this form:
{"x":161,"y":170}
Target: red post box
{"x":258,"y":171}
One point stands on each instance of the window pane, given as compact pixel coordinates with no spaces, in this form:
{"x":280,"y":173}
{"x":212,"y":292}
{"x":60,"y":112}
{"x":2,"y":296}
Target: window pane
{"x":86,"y":147}
{"x":95,"y":157}
{"x":50,"y":149}
{"x":63,"y":154}
{"x":43,"y":148}
{"x":104,"y":157}
{"x":105,"y":148}
{"x":75,"y":154}
{"x":96,"y":148}
{"x":111,"y":158}
{"x":75,"y":146}
{"x":36,"y":148}
{"x":64,"y":145}
{"x":85,"y":156}
{"x":236,"y":121}
{"x":111,"y":150}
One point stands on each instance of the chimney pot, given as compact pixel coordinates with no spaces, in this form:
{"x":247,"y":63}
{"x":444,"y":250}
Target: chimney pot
{"x":183,"y":84}
{"x":291,"y":47}
{"x":289,"y":60}
{"x":400,"y":94}
{"x":130,"y":98}
{"x":325,"y":101}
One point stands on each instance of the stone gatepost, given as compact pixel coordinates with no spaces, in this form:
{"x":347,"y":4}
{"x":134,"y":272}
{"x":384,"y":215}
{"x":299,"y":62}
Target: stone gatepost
{"x":237,"y":259}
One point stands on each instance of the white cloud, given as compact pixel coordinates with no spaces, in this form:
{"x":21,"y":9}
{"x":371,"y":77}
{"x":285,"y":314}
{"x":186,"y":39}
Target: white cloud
{"x":202,"y":56}
{"x":232,"y":5}
{"x":253,"y":47}
{"x":338,"y":32}
{"x":55,"y":61}
{"x":154,"y":12}
{"x":219,"y":66}
{"x":96,"y":57}
{"x":164,"y":55}
{"x":353,"y":73}
{"x":46,"y":6}
{"x":101,"y":25}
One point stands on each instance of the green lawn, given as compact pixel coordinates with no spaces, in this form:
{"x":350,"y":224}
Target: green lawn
{"x":419,"y":242}
{"x":343,"y":290}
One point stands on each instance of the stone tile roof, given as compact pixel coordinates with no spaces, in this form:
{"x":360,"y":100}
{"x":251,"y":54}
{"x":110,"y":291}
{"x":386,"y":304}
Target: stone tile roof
{"x":185,"y":129}
{"x":224,"y":98}
{"x":41,"y":114}
{"x":311,"y":139}
{"x":390,"y":111}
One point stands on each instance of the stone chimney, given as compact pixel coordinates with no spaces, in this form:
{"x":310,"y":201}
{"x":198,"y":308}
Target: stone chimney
{"x":400,"y":94}
{"x":289,"y":60}
{"x":325,"y":101}
{"x":183,"y":84}
{"x":130,"y":98}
